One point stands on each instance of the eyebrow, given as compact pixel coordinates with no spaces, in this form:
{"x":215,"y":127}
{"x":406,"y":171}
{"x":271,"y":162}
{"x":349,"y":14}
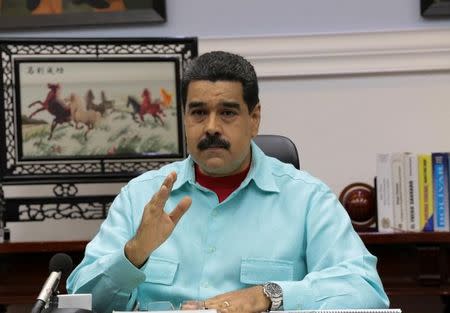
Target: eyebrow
{"x":225,"y":104}
{"x":195,"y":105}
{"x":231,"y":105}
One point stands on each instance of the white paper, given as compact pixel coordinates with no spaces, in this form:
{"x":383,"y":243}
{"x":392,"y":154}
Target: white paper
{"x":75,"y":301}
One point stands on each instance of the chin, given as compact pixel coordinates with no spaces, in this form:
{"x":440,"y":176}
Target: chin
{"x":214,"y":167}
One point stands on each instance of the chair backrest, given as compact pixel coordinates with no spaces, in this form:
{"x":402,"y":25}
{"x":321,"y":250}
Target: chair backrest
{"x":279,"y":147}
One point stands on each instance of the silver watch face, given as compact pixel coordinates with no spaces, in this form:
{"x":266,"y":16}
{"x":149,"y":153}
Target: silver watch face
{"x":273,"y":290}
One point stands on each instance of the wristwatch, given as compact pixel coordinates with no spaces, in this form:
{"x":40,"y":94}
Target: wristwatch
{"x":275,"y":294}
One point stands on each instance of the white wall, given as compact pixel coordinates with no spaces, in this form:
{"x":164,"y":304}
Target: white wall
{"x":344,"y":79}
{"x":340,"y":123}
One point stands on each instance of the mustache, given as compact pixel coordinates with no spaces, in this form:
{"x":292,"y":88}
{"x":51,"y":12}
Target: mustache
{"x":213,"y":142}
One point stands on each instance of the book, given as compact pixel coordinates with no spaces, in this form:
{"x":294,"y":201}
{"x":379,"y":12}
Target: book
{"x":385,"y":213}
{"x":440,"y":191}
{"x":398,"y":191}
{"x":426,"y":206}
{"x":411,"y":185}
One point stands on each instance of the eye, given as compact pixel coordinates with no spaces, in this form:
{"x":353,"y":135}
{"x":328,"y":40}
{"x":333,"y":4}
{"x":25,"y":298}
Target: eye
{"x":198,"y":112}
{"x":229,"y":113}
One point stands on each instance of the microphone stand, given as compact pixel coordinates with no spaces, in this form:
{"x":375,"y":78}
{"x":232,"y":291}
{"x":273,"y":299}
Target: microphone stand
{"x":52,"y":303}
{"x":47,"y":300}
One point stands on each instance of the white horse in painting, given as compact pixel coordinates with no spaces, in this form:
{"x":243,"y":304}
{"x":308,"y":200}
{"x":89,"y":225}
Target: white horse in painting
{"x":80,"y":115}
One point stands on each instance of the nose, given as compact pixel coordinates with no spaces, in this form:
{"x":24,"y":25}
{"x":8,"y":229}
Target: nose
{"x":213,"y":126}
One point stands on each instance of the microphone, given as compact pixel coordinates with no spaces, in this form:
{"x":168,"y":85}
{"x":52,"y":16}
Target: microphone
{"x":60,"y":264}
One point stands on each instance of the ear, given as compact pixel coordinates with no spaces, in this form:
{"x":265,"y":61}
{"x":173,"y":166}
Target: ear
{"x":255,"y":117}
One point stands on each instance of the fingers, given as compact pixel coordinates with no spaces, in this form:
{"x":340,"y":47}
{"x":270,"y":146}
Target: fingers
{"x":170,"y":180}
{"x":180,"y":209}
{"x":250,"y":299}
{"x":192,"y":305}
{"x":222,"y":306}
{"x":164,"y":192}
{"x":158,"y":201}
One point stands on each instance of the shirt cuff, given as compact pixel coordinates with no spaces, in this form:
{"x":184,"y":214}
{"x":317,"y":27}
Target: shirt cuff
{"x":123,"y":273}
{"x":296,"y":294}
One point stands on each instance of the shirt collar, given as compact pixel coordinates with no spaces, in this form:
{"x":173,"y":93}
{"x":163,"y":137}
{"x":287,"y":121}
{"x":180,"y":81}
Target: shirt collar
{"x":186,"y":173}
{"x":260,"y":172}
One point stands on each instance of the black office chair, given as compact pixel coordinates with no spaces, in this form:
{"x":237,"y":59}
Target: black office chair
{"x":279,"y":147}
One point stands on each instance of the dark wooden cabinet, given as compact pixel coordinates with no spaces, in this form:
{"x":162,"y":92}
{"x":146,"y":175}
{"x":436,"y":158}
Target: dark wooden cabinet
{"x":408,"y":263}
{"x":24,"y":268}
{"x":412,"y":263}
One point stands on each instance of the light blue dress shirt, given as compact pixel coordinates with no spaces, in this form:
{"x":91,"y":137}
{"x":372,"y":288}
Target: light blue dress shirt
{"x":280,"y":225}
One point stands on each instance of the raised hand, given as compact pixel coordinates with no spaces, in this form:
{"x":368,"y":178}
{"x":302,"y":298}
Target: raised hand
{"x":156,"y":225}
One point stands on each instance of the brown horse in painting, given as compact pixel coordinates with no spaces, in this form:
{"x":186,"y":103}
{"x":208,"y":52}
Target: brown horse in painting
{"x":91,"y":105}
{"x":109,"y":104}
{"x":102,"y":107}
{"x":54,"y":106}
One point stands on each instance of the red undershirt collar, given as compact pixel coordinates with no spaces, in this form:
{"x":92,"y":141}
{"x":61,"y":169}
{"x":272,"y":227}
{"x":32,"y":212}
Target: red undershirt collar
{"x":222,"y":186}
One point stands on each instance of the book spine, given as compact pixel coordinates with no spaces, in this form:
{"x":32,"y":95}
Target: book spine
{"x":426,"y":193}
{"x":448,"y":186}
{"x":412,"y":191}
{"x":385,"y":213}
{"x":440,"y":187}
{"x":398,"y":192}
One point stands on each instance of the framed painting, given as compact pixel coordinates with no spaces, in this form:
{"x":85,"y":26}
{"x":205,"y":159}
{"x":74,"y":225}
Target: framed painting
{"x":90,"y":108}
{"x":65,"y":13}
{"x":435,"y":8}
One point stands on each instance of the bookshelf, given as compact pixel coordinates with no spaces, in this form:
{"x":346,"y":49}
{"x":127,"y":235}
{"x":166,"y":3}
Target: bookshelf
{"x":409,"y":264}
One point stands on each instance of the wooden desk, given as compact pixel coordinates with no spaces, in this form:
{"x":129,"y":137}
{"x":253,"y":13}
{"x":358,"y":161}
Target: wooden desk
{"x":24,"y":268}
{"x":408,"y":263}
{"x":412,"y":263}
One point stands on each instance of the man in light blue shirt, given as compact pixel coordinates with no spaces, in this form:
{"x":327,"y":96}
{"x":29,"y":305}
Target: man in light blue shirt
{"x":229,"y":226}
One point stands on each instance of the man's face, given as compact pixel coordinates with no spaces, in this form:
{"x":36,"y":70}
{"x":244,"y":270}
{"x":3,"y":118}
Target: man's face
{"x":219,"y":127}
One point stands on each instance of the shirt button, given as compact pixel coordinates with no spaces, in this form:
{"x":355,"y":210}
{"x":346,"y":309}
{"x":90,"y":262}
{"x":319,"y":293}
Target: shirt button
{"x":212,"y":249}
{"x":214,"y":213}
{"x":205,"y":284}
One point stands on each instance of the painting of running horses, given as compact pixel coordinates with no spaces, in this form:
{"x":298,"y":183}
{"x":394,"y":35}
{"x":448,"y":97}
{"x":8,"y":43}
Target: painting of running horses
{"x":90,"y":108}
{"x":97,"y":109}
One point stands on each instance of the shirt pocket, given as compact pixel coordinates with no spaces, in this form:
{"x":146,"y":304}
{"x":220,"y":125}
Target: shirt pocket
{"x":256,"y":271}
{"x":161,"y":271}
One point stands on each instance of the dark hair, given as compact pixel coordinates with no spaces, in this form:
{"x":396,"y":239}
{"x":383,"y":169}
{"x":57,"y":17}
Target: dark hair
{"x":225,"y":66}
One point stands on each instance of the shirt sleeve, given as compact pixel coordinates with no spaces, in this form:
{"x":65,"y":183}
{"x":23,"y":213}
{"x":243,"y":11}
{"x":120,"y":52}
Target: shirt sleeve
{"x":341,"y":272}
{"x":105,"y":272}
